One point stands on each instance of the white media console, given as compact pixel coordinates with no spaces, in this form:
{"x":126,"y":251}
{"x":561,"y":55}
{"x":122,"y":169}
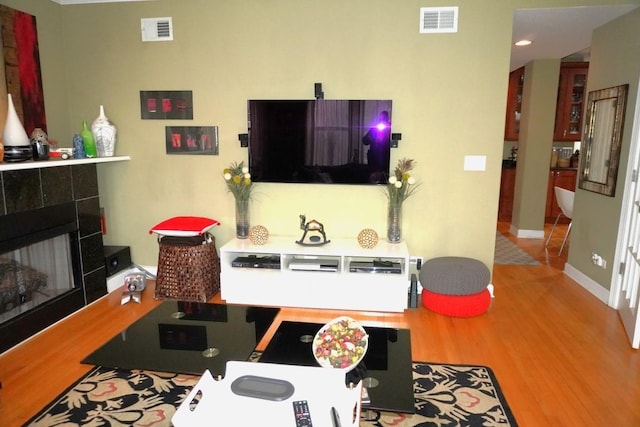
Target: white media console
{"x":337,"y":275}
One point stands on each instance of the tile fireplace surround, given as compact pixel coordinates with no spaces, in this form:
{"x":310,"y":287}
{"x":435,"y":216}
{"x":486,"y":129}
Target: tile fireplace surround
{"x":33,"y":189}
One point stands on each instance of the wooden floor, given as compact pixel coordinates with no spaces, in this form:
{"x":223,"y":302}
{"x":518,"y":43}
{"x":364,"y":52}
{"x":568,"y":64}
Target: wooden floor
{"x":560,"y":355}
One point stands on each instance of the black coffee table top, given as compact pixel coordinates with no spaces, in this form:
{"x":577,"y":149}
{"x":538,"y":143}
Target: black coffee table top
{"x":386,"y":368}
{"x":187,"y":337}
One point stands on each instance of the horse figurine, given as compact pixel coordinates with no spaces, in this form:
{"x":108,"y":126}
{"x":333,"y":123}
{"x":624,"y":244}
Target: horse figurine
{"x":312,"y":226}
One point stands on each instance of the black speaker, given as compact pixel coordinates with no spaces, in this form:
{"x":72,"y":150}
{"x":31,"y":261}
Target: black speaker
{"x":116,"y":259}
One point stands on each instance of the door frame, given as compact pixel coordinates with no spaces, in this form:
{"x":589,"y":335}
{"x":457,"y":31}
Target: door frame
{"x":631,"y":182}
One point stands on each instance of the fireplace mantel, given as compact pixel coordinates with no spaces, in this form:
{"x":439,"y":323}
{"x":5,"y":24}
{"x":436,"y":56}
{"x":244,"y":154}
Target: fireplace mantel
{"x":32,"y":189}
{"x":33,"y":164}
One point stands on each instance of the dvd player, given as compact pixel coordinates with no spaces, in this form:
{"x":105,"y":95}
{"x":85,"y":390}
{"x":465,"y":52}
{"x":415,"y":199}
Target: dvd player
{"x":313,"y":264}
{"x":252,"y":261}
{"x":385,"y":267}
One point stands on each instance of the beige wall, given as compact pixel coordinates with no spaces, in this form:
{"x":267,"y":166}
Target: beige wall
{"x":615,"y":60}
{"x":449,"y":93}
{"x":534,"y":146}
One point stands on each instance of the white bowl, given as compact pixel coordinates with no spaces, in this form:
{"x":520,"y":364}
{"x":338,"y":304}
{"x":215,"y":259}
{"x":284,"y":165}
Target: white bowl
{"x":341,"y":344}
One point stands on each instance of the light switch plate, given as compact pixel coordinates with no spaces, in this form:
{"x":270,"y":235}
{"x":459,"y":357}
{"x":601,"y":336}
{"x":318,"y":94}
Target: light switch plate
{"x":475,"y":163}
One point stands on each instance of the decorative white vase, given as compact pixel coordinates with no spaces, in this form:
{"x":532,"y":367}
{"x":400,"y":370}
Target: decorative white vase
{"x":14,"y":134}
{"x":104,"y":133}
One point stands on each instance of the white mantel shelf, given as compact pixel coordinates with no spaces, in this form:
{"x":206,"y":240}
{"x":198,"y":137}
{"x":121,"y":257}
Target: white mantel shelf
{"x":53,"y":162}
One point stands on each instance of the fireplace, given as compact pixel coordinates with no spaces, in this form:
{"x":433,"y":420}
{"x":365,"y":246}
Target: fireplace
{"x":51,"y":253}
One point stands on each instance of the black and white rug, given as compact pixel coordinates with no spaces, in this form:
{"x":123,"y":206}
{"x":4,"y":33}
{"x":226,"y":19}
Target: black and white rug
{"x":445,"y":395}
{"x":508,"y":253}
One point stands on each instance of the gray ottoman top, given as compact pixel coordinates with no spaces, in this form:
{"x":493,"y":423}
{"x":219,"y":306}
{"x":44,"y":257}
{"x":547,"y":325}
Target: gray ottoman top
{"x":454,"y":276}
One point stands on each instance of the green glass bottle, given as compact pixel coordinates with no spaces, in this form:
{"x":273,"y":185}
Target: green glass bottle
{"x":88,"y":141}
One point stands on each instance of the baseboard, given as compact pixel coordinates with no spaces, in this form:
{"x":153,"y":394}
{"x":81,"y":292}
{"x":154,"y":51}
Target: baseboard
{"x":587,"y":283}
{"x":526,"y":234}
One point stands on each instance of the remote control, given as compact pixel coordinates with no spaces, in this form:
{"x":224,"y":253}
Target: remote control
{"x":301,"y":411}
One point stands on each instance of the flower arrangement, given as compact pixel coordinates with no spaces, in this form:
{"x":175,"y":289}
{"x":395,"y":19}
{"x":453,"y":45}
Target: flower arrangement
{"x":238,"y":180}
{"x":401,"y":184}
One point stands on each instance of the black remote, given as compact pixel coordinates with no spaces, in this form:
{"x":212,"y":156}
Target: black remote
{"x":301,"y":411}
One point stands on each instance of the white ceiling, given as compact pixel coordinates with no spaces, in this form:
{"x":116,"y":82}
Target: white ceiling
{"x":558,"y":32}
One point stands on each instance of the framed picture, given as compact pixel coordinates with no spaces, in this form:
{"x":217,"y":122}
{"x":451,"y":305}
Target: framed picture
{"x":192,"y":140}
{"x":166,"y":104}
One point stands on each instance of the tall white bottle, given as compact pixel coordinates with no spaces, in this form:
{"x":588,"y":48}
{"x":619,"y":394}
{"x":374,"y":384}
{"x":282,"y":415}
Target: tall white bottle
{"x":104,"y":133}
{"x":14,"y":134}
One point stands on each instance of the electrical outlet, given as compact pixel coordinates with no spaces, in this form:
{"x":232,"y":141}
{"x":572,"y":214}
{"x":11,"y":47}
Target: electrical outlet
{"x":416,"y":260}
{"x":598,"y":260}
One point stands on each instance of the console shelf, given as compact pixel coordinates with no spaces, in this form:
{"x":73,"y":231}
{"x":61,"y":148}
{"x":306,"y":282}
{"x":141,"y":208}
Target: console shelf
{"x":316,"y":276}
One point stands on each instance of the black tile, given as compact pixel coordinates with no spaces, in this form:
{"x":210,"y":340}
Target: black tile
{"x":2,"y":204}
{"x":22,"y":190}
{"x":56,"y":185}
{"x":92,"y":253}
{"x":88,"y":216}
{"x":95,"y":285}
{"x":85,"y":181}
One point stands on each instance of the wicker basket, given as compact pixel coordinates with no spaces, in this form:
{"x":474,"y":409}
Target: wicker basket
{"x":188,"y":268}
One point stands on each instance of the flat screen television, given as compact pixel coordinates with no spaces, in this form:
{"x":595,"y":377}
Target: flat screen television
{"x":319,"y":141}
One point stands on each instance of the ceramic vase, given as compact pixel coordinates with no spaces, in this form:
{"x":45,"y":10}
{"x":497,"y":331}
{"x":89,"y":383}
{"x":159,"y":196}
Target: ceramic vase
{"x":88,"y":141}
{"x":14,"y":134}
{"x":104,"y":133}
{"x":242,"y":219}
{"x":394,"y":223}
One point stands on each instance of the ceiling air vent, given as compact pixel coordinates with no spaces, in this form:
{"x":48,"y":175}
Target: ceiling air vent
{"x":438,"y":19}
{"x":156,"y":29}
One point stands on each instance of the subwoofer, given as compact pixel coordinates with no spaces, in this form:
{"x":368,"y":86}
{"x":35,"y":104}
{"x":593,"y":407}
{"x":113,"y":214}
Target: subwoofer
{"x":116,"y":259}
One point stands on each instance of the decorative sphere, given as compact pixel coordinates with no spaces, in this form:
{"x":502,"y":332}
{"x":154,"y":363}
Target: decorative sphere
{"x":368,"y":238}
{"x":258,"y":235}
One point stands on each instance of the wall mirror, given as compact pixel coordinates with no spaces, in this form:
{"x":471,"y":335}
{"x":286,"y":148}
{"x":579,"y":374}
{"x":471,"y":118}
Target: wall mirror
{"x":600,"y":148}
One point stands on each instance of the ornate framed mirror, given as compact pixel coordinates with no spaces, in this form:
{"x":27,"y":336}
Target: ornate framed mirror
{"x":600,"y":148}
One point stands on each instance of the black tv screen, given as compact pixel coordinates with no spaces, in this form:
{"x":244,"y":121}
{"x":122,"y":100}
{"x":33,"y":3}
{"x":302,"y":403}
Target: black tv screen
{"x":319,"y":141}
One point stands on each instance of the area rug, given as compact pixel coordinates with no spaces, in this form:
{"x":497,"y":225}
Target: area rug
{"x":445,"y":395}
{"x":508,"y":252}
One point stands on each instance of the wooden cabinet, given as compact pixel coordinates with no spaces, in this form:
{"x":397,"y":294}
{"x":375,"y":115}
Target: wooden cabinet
{"x":564,"y":178}
{"x":571,"y":99}
{"x":507,"y":188}
{"x":514,"y":105}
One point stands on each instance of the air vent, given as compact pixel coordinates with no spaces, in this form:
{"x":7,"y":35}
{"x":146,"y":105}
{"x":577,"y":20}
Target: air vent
{"x":439,"y":19}
{"x":156,"y":29}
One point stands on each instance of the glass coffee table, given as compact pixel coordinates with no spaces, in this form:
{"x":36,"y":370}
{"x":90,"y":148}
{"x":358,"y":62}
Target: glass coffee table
{"x":386,"y":369}
{"x":187,"y":337}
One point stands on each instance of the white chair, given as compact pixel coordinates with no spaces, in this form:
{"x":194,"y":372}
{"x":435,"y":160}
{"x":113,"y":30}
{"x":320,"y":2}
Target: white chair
{"x":564,"y":198}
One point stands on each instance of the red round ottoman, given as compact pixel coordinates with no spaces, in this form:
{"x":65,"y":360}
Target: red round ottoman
{"x":457,"y":305}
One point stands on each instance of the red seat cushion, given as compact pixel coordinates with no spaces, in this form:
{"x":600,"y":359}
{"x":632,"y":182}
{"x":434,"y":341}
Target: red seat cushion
{"x":184,"y":226}
{"x":457,"y":305}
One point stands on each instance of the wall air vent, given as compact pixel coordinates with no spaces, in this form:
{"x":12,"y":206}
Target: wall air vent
{"x":156,"y":29}
{"x":439,"y":19}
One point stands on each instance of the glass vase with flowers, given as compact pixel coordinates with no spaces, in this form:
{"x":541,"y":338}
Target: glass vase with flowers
{"x":238,"y":180}
{"x":400,"y":186}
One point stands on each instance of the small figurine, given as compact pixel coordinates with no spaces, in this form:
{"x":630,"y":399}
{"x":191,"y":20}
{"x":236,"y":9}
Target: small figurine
{"x":39,"y":144}
{"x":312,"y":226}
{"x":78,"y":145}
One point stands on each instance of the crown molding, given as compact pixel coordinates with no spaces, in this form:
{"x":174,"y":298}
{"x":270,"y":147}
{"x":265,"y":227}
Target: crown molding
{"x":65,"y":2}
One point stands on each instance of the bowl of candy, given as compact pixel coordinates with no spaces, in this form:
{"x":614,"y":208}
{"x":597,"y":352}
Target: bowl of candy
{"x":341,"y":344}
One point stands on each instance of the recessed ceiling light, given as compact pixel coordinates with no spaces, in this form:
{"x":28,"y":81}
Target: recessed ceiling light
{"x":523,"y":43}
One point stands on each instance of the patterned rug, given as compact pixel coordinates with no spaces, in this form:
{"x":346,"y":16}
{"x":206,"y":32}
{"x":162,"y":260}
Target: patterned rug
{"x":508,"y":252}
{"x":445,"y":395}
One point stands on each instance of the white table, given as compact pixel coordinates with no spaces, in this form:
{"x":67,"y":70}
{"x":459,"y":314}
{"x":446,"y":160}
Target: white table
{"x":322,"y":388}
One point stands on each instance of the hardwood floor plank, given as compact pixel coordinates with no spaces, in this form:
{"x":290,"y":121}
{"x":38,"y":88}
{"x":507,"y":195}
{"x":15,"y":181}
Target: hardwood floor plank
{"x":560,"y":355}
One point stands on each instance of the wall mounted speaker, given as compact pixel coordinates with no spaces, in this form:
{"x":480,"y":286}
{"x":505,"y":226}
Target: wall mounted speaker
{"x":244,"y":139}
{"x":318,"y":91}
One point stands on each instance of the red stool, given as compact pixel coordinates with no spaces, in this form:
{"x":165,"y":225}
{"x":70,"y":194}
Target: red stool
{"x":457,"y":305}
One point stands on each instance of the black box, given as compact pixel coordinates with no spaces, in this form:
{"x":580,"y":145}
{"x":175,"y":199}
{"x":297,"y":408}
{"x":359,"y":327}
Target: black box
{"x":116,"y":259}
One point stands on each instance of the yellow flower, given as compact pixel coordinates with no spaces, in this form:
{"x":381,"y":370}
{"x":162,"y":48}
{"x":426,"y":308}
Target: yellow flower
{"x":401,"y":184}
{"x":238,"y":180}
